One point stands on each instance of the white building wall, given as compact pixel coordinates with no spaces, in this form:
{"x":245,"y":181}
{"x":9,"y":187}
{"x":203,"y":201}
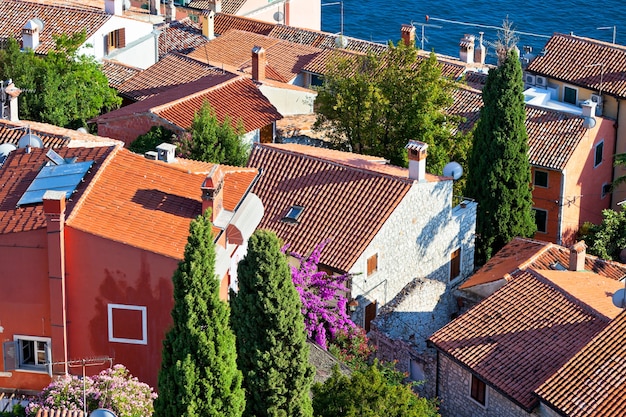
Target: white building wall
{"x":289,"y":102}
{"x":414,"y":245}
{"x":299,"y":13}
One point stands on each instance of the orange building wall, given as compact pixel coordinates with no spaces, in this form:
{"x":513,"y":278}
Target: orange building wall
{"x":138,"y":278}
{"x":548,"y":199}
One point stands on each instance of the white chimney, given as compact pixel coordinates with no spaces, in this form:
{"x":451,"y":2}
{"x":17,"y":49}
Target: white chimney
{"x":417,"y":159}
{"x":466,"y":53}
{"x":114,"y":7}
{"x":217,"y":6}
{"x":170,"y":11}
{"x":30,"y":34}
{"x":207,"y":19}
{"x":12,"y":93}
{"x":480,"y":52}
{"x":155,"y":7}
{"x":258,"y":63}
{"x":166,"y":152}
{"x":589,"y":108}
{"x":577,"y":255}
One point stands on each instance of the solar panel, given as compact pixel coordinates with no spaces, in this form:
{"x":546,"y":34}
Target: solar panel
{"x":55,"y":177}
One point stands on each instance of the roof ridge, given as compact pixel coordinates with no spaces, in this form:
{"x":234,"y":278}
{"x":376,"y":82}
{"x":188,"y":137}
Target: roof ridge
{"x":66,"y":6}
{"x":593,"y":40}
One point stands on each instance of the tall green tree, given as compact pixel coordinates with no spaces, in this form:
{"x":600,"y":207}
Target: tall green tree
{"x":374,"y":104}
{"x":368,"y":393}
{"x":199,"y":375}
{"x":266,"y":316}
{"x":607,"y":239}
{"x":64,"y":88}
{"x":209,"y":140}
{"x":499,"y":171}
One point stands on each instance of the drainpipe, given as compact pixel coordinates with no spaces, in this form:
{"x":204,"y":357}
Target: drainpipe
{"x":54,"y":209}
{"x":613,"y":203}
{"x":559,"y":226}
{"x":437,"y":376}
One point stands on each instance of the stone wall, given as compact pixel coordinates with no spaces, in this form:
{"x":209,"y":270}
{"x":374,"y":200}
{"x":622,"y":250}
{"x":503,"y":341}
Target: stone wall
{"x":127,"y":129}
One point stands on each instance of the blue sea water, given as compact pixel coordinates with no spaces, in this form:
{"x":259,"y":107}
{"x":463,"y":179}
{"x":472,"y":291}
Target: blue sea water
{"x":380,"y":21}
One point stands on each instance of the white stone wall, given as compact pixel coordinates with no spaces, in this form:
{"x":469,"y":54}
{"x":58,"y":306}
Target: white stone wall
{"x":455,"y":400}
{"x":290,"y":101}
{"x":415,"y":243}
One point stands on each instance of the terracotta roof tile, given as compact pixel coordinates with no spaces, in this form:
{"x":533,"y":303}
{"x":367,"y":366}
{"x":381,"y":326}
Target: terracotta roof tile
{"x":17,"y":173}
{"x":467,"y":104}
{"x":57,"y":19}
{"x":225,"y":22}
{"x":149,"y":204}
{"x":11,"y":132}
{"x":530,"y":317}
{"x":117,"y":73}
{"x":180,"y":36}
{"x":228,"y":6}
{"x":173,"y":70}
{"x":567,"y":58}
{"x":592,"y":383}
{"x":343,"y":203}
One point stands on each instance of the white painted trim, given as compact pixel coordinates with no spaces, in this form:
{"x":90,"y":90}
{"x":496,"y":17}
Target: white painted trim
{"x":144,"y":324}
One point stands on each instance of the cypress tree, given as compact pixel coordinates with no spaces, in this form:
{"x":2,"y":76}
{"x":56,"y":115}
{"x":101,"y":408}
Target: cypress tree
{"x":199,"y":375}
{"x":499,"y":172}
{"x":271,"y":342}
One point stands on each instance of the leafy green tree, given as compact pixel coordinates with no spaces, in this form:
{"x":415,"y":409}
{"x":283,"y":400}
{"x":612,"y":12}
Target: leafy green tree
{"x":150,"y":140}
{"x":266,"y":316}
{"x":63,"y":88}
{"x":499,"y":172}
{"x":373,"y":104}
{"x":607,"y":239}
{"x":210,"y":141}
{"x":368,"y":393}
{"x":199,"y":375}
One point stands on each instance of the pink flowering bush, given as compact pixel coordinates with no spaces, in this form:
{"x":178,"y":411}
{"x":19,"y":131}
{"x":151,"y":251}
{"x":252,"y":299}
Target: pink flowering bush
{"x":114,"y":389}
{"x":323,"y":303}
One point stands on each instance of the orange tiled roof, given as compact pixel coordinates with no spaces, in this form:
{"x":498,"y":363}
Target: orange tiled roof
{"x":17,"y":173}
{"x":228,"y":6}
{"x":343,"y":203}
{"x":180,"y":36}
{"x":117,"y":73}
{"x":149,"y":204}
{"x":225,"y":22}
{"x":11,"y":132}
{"x":466,"y":104}
{"x":173,"y":70}
{"x":592,"y":383}
{"x":522,"y":334}
{"x":567,"y":58}
{"x":57,"y":19}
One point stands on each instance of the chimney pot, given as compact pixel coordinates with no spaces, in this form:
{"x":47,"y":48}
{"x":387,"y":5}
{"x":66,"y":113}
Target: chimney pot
{"x":417,"y":159}
{"x":258,"y":63}
{"x":577,"y":255}
{"x":207,"y":19}
{"x":114,"y":7}
{"x":466,"y":53}
{"x":408,"y":35}
{"x":212,"y":192}
{"x":166,"y":152}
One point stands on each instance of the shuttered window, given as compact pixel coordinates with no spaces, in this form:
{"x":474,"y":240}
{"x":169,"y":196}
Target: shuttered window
{"x":116,"y":39}
{"x":478,"y":390}
{"x":455,"y":264}
{"x":372,"y":264}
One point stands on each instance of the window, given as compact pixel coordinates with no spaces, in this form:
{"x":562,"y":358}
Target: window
{"x":541,"y":179}
{"x":372,"y":264}
{"x":128,"y":324}
{"x":606,"y":189}
{"x":541,"y":220}
{"x":570,"y":95}
{"x":478,"y":390}
{"x":416,"y":370}
{"x":28,"y":353}
{"x":293,"y":214}
{"x":116,"y":39}
{"x":599,"y":150}
{"x":455,"y":264}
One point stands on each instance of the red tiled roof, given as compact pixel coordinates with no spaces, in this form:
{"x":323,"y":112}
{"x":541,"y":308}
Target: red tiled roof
{"x":180,"y":36}
{"x":466,"y":104}
{"x":568,"y":58}
{"x":11,"y":132}
{"x":149,"y":204}
{"x":521,"y":254}
{"x":57,"y":19}
{"x":345,"y":204}
{"x":173,"y":70}
{"x":17,"y":173}
{"x":593,"y":382}
{"x":225,"y":22}
{"x":522,"y":334}
{"x":228,"y":6}
{"x":117,"y":73}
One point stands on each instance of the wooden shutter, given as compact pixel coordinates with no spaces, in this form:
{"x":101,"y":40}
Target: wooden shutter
{"x":372,"y":264}
{"x":10,"y":355}
{"x":121,"y":38}
{"x":478,"y":390}
{"x":370,"y":314}
{"x":455,"y":264}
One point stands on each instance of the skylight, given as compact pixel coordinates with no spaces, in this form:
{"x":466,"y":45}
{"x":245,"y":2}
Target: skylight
{"x":55,"y":177}
{"x":293,"y":214}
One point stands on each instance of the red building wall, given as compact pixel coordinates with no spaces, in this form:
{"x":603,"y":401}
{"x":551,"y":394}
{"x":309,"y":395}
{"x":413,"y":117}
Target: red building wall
{"x":129,"y":128}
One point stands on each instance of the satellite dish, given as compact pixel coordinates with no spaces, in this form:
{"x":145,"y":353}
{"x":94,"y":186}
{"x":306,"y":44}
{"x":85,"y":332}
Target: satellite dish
{"x":101,"y":412}
{"x":619,"y":298}
{"x":589,"y":122}
{"x":279,"y":16}
{"x":5,"y":150}
{"x":82,"y":130}
{"x":453,"y":169}
{"x":341,"y":41}
{"x":31,"y":140}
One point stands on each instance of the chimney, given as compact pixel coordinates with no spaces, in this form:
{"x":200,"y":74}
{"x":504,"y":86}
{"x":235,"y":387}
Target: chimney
{"x":212,"y":191}
{"x":589,"y":108}
{"x":481,"y":52}
{"x":417,"y":159}
{"x":466,"y":53}
{"x":408,"y":35}
{"x":258,"y":63}
{"x":114,"y":7}
{"x":577,"y":254}
{"x":155,"y":7}
{"x":216,"y":6}
{"x":30,"y":33}
{"x":166,"y":152}
{"x":170,"y":11}
{"x":12,"y":93}
{"x":207,"y":20}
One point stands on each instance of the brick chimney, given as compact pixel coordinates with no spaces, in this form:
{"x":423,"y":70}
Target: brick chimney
{"x":114,"y":7}
{"x":207,"y":20}
{"x":466,"y":53}
{"x":30,"y":33}
{"x":212,"y":191}
{"x":577,"y":254}
{"x":12,"y":93}
{"x":408,"y":35}
{"x":258,"y":63}
{"x":417,"y":159}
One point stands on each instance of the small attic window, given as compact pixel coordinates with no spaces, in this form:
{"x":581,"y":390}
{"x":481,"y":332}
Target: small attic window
{"x":293,"y":214}
{"x":557,"y":266}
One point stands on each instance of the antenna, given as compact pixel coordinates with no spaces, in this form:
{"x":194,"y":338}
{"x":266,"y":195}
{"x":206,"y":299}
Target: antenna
{"x":423,"y":25}
{"x":609,"y":27}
